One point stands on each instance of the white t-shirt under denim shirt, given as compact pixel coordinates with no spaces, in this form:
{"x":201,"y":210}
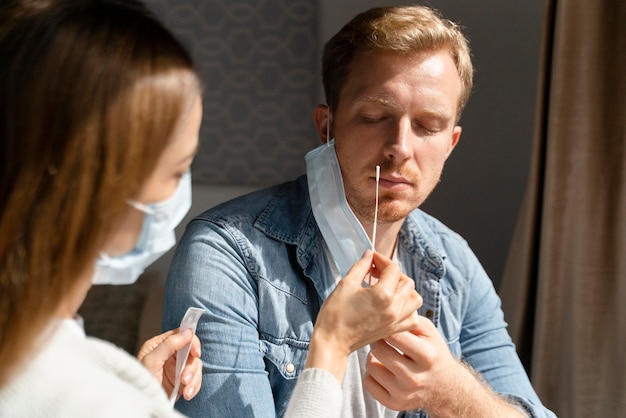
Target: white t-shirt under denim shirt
{"x":318,"y":393}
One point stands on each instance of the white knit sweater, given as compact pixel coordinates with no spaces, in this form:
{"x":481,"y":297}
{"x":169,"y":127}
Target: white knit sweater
{"x":317,"y":394}
{"x":78,"y":376}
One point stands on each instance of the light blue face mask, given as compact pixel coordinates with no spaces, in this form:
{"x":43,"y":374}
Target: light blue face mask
{"x":343,"y":233}
{"x":156,"y":238}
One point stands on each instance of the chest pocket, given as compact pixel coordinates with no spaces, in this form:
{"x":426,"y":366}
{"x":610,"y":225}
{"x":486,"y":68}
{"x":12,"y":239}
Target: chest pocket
{"x":285,"y":358}
{"x":287,"y":312}
{"x":284,"y":361}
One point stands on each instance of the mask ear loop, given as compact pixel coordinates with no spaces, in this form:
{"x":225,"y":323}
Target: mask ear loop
{"x":140,"y":206}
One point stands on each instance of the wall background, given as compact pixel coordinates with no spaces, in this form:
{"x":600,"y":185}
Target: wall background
{"x":260,"y":60}
{"x":257,"y":60}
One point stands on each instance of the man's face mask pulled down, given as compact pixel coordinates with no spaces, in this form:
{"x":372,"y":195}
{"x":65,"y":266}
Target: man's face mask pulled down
{"x":155,"y":239}
{"x":343,"y":233}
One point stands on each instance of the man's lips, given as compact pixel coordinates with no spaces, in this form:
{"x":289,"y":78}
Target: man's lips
{"x":394,"y":182}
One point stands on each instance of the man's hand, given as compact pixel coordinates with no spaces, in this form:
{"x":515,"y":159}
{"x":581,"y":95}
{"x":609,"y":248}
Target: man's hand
{"x":415,"y":370}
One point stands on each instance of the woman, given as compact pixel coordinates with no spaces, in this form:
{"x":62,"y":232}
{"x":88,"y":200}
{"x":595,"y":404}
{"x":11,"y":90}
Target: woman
{"x":99,"y":116}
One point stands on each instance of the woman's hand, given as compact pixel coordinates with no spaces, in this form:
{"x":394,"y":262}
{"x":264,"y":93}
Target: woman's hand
{"x":158,"y":355}
{"x":354,"y":316}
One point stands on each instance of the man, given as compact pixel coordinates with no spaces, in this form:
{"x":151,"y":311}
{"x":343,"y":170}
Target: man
{"x":396,"y":80}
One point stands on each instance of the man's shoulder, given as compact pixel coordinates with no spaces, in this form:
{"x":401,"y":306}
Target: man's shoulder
{"x":428,"y":231}
{"x":447,"y":250}
{"x":431,"y":227}
{"x":288,"y":195}
{"x":282,"y":212}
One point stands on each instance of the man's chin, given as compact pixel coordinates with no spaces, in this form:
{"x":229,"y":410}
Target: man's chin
{"x":391,"y":212}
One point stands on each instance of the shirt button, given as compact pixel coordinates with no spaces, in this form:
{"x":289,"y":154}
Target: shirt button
{"x":429,"y":314}
{"x":290,"y":368}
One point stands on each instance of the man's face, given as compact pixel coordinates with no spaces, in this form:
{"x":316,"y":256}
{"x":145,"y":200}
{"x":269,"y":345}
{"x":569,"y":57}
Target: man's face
{"x":398,"y":112}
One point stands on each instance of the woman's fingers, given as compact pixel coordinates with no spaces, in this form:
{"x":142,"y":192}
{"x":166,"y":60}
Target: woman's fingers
{"x":158,"y":355}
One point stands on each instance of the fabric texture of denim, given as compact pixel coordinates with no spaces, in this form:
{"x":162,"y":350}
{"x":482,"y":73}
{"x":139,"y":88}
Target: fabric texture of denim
{"x":257,"y":265}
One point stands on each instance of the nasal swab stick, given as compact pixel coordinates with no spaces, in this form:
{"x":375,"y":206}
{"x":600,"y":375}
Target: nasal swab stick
{"x":376,"y":209}
{"x":375,"y":219}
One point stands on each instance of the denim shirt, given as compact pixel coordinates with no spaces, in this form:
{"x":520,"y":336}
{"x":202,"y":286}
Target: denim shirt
{"x":257,"y":265}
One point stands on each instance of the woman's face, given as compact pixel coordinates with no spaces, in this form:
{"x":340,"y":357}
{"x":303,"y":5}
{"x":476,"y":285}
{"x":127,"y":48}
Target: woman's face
{"x":162,"y":183}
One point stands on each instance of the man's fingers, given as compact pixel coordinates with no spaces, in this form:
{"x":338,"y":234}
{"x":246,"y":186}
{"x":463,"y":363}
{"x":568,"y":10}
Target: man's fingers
{"x":409,"y":323}
{"x":419,"y":343}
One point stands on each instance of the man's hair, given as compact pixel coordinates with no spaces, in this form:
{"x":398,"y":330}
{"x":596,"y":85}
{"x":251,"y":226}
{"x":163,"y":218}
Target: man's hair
{"x":401,"y":30}
{"x":91,"y":93}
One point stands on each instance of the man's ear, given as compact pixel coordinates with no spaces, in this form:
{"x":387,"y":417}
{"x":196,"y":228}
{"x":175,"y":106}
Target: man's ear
{"x":456,"y":135}
{"x":321,"y":119}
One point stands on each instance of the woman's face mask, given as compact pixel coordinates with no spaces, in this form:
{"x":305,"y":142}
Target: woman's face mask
{"x":155,"y":239}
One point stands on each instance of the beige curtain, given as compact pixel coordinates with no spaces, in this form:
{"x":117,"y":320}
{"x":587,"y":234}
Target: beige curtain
{"x":564,"y":285}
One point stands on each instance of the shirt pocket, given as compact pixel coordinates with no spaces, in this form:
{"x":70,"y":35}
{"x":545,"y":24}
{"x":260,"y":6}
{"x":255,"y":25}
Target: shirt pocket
{"x":285,"y":357}
{"x":287,"y":312}
{"x":284,"y":361}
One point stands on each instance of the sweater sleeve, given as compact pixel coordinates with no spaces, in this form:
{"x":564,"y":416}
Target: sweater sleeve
{"x":317,"y":394}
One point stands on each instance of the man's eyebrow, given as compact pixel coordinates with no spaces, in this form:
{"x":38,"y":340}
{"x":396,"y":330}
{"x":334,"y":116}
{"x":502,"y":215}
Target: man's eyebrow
{"x":437,"y":113}
{"x":387,"y":101}
{"x":379,"y":99}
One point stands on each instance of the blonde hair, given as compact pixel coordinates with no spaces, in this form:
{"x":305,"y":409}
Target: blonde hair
{"x":91,"y":93}
{"x":401,"y":30}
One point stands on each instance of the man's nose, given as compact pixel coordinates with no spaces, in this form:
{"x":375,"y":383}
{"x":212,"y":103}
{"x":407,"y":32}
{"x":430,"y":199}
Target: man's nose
{"x":398,"y":144}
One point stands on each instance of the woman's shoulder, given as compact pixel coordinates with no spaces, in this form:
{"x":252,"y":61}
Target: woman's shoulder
{"x":73,"y":376}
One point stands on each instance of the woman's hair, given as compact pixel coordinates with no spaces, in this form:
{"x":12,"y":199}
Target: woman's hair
{"x":91,"y":92}
{"x":401,"y":30}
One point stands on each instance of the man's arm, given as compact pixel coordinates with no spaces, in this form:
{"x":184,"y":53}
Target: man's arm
{"x":209,"y":272}
{"x":487,"y":347}
{"x":421,"y":373}
{"x":495,"y":369}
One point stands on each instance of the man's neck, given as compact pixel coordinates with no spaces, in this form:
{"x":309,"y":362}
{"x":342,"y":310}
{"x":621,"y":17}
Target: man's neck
{"x":386,"y":236}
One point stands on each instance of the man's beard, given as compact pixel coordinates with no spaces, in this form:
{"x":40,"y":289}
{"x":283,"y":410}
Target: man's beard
{"x":389,"y":210}
{"x":392,"y":206}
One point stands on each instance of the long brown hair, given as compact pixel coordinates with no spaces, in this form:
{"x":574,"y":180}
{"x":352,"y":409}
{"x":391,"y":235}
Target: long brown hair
{"x":90,"y":94}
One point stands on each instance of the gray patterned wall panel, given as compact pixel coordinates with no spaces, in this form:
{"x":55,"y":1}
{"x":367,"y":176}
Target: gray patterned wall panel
{"x":259,"y":64}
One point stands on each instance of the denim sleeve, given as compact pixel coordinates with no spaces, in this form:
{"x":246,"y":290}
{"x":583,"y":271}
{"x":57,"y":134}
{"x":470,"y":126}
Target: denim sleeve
{"x":487,"y":347}
{"x":209,"y":271}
